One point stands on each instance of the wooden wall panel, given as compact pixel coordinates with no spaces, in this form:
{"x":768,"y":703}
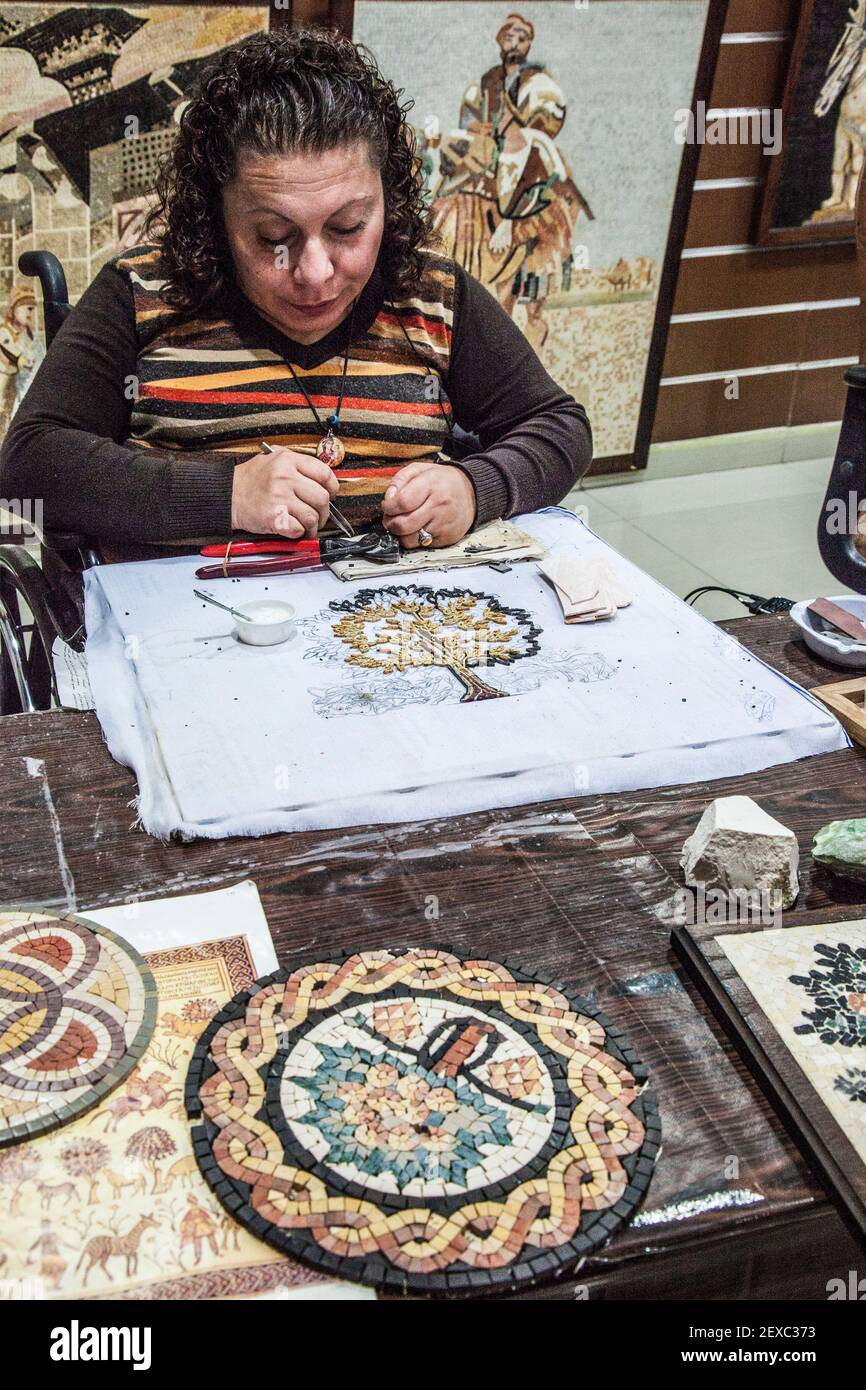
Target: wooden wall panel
{"x":760,"y":403}
{"x":730,"y":162}
{"x":721,"y":216}
{"x":761,"y":16}
{"x":310,"y":12}
{"x":728,"y":344}
{"x":775,"y":276}
{"x":755,"y":340}
{"x":751,"y":74}
{"x":805,"y":397}
{"x":819,"y":395}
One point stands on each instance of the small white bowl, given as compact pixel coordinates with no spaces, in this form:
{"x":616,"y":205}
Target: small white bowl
{"x":831,"y":645}
{"x":265,"y":622}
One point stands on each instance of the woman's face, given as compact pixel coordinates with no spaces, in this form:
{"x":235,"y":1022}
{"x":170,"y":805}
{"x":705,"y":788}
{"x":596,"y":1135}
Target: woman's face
{"x":304,"y":231}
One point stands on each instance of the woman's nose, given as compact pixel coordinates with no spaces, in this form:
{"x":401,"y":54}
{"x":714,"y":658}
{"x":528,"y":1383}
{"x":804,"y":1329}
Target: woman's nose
{"x":313,"y":266}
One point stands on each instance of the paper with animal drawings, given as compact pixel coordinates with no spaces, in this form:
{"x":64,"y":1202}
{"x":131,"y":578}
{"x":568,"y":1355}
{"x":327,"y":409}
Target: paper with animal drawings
{"x":155,"y":924}
{"x":113,"y":1205}
{"x":418,"y":696}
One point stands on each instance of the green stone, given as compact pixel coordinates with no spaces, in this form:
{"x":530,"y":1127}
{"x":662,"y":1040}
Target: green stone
{"x":841,"y":846}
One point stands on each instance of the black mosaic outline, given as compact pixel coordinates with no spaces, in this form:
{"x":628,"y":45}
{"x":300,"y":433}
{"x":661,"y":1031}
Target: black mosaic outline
{"x":31,"y":1129}
{"x":362,"y":597}
{"x":375,"y":1270}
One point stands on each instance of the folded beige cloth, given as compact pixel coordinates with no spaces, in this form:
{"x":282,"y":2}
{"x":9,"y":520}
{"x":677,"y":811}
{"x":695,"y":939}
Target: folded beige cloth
{"x":587,"y":589}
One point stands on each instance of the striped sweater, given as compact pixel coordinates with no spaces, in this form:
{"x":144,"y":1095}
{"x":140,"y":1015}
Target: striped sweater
{"x":137,"y":417}
{"x":223,"y":383}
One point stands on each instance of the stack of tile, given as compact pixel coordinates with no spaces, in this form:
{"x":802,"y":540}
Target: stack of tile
{"x":587,"y":589}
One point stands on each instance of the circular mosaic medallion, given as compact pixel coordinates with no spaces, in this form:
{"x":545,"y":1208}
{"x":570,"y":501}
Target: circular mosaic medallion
{"x":77,"y":1009}
{"x":420,"y":1122}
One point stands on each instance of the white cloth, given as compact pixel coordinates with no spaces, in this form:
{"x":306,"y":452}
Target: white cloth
{"x":228,"y":739}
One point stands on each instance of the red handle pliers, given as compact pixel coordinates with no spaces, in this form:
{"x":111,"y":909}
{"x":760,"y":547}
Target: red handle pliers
{"x":283,"y":556}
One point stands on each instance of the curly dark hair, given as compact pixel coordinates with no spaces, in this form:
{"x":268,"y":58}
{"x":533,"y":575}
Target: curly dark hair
{"x":306,"y":90}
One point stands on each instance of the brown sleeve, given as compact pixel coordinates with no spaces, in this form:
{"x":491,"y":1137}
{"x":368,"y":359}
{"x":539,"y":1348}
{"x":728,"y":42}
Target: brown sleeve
{"x":63,"y":447}
{"x":536,"y":441}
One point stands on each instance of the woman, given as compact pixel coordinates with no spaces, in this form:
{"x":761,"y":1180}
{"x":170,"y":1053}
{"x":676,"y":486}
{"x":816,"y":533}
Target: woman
{"x":290,"y":295}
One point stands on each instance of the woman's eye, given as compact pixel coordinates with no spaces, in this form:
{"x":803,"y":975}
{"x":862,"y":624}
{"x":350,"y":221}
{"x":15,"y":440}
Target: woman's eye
{"x":284,"y":240}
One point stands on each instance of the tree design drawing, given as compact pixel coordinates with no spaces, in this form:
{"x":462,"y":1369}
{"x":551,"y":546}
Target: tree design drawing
{"x":392,"y":629}
{"x":85,"y":1158}
{"x":148,"y":1146}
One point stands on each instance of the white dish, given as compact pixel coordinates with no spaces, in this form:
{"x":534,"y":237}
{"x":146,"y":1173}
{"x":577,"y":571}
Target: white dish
{"x":831,"y":645}
{"x":264,"y":622}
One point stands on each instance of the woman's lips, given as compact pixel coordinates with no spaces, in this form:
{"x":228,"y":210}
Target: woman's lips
{"x":314,"y":308}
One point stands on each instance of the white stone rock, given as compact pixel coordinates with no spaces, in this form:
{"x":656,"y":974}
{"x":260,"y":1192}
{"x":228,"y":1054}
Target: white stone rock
{"x":736,"y":845}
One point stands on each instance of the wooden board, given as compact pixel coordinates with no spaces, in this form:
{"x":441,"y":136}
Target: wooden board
{"x":845,"y":699}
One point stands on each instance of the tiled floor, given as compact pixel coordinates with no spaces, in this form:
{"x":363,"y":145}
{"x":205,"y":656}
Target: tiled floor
{"x":747,"y":528}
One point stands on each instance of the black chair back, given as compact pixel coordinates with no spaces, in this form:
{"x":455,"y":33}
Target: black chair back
{"x":839,"y":538}
{"x":45,"y":266}
{"x":842,"y":547}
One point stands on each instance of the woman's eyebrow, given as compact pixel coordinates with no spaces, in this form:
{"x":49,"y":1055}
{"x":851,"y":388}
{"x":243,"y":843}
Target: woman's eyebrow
{"x":365,"y":201}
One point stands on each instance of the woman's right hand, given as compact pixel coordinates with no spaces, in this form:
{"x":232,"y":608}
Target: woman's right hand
{"x":282,"y":493}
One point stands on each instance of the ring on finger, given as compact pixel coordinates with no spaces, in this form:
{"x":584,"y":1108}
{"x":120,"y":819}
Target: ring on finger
{"x":425,"y":537}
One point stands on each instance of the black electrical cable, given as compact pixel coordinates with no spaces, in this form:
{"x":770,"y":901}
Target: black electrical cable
{"x":755,"y":603}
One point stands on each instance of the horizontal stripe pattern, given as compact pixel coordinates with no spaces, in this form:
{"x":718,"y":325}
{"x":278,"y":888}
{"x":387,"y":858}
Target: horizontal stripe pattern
{"x":203,"y":387}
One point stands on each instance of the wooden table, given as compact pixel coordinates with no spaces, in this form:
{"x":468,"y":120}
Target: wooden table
{"x":576,"y":888}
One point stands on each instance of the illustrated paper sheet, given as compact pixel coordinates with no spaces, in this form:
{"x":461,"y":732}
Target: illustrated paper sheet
{"x":811,"y":983}
{"x":421,"y":696}
{"x":157,"y":924}
{"x":113,"y":1205}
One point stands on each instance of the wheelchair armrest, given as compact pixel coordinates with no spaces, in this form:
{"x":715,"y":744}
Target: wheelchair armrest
{"x":65,"y":540}
{"x":66,"y":543}
{"x":56,"y":612}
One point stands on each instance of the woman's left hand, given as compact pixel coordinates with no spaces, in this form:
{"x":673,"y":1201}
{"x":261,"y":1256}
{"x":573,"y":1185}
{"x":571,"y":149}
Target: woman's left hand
{"x":436,"y":496}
